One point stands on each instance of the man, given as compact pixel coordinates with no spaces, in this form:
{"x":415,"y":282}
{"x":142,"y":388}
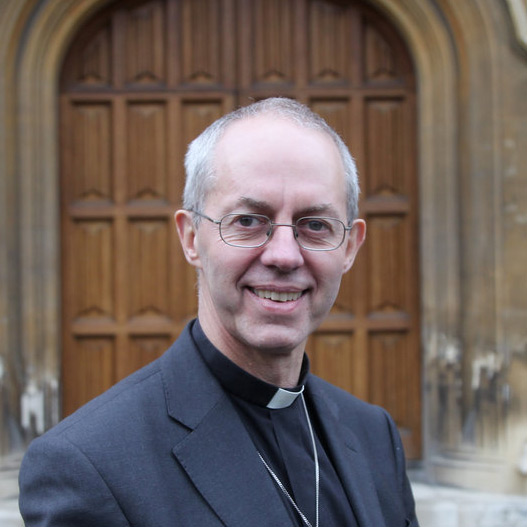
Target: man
{"x":229,"y":427}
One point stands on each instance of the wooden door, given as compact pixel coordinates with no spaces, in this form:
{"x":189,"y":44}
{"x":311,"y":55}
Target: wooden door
{"x":141,"y":80}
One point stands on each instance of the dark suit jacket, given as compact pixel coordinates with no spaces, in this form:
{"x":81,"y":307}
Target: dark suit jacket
{"x":165,"y":447}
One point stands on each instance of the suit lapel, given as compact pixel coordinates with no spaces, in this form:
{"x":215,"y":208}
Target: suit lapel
{"x":216,"y":452}
{"x":350,"y":464}
{"x":222,"y":462}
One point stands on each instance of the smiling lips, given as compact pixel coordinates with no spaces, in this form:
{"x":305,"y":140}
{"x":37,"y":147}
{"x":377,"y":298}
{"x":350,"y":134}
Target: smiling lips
{"x":278,"y":296}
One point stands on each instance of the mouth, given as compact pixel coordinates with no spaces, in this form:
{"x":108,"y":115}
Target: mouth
{"x":277,"y":296}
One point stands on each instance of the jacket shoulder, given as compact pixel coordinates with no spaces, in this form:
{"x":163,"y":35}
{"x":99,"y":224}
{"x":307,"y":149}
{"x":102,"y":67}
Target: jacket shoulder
{"x":343,"y":400}
{"x":137,"y":398}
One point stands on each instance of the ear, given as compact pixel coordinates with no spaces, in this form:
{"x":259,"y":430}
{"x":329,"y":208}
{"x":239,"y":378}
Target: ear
{"x":187,"y":236}
{"x":355,"y":239}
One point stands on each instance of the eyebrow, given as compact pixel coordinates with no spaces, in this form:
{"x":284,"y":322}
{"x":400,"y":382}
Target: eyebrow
{"x":254,"y":203}
{"x":263,"y":206}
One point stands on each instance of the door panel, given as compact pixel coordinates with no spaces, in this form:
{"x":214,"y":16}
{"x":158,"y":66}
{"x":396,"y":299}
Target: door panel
{"x":140,"y":81}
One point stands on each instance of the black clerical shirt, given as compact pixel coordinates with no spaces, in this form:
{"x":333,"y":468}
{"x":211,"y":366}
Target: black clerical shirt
{"x":277,"y":423}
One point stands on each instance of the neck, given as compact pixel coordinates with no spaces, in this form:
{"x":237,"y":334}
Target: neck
{"x":274,"y":366}
{"x":279,"y":370}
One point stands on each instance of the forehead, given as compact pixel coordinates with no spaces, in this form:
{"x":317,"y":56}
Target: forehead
{"x":274,"y":144}
{"x":268,"y":158}
{"x":263,"y":130}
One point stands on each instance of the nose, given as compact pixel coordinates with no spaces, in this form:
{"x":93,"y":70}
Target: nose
{"x":282,"y":250}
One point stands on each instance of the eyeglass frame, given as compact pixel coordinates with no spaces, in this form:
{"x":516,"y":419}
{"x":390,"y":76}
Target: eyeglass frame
{"x":272,"y":225}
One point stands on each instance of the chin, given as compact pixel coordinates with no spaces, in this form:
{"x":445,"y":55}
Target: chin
{"x":273,"y":340}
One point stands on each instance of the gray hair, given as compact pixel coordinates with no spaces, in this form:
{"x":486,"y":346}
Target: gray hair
{"x":199,"y":159}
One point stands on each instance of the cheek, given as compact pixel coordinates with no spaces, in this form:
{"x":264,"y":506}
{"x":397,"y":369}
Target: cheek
{"x":330,"y":277}
{"x":222,"y":268}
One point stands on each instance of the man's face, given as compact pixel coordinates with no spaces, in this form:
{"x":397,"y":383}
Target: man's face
{"x":268,"y":165}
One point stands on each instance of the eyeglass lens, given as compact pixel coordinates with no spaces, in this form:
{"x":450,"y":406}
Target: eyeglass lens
{"x":253,"y":230}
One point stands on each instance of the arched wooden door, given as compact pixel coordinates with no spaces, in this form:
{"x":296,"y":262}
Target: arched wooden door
{"x":140,"y":81}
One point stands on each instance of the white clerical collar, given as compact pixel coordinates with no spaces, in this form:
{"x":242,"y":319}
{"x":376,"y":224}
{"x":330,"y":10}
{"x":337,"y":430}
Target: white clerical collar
{"x":283,"y":398}
{"x":241,"y":383}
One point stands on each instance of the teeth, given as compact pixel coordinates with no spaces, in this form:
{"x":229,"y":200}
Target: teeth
{"x":278,"y":296}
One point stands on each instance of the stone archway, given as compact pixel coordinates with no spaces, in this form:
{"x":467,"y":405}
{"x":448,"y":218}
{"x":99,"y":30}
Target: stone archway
{"x":38,"y":71}
{"x":38,"y":170}
{"x":34,"y":35}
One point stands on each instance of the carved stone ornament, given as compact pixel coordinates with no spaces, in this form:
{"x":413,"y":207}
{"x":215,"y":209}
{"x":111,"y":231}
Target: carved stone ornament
{"x":518,"y":12}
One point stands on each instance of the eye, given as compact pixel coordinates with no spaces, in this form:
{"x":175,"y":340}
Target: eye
{"x":314,"y":225}
{"x":247,"y":221}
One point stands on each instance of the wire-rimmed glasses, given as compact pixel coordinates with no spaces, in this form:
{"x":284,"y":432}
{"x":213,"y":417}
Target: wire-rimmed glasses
{"x":249,"y":230}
